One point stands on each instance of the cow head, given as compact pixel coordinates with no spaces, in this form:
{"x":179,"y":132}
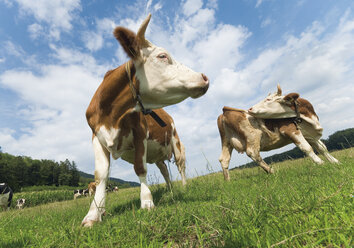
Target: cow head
{"x":162,"y":80}
{"x":275,"y":106}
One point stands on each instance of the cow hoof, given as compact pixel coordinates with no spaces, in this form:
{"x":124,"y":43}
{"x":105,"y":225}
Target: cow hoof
{"x":147,"y":204}
{"x":271,"y":171}
{"x":88,"y":223}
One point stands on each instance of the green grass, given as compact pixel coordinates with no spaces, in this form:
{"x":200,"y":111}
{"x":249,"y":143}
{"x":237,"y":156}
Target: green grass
{"x":36,"y":198}
{"x":302,"y":205}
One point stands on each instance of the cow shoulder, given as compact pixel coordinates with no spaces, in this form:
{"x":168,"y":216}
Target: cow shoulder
{"x":157,"y":133}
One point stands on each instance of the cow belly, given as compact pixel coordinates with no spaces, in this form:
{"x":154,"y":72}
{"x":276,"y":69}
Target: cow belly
{"x":155,"y":153}
{"x":4,"y":199}
{"x":311,"y":131}
{"x":267,"y":146}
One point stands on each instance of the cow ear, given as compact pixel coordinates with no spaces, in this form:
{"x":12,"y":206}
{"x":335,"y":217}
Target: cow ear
{"x":291,"y":97}
{"x":128,"y":41}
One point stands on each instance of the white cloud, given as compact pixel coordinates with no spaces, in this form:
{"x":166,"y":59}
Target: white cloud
{"x":259,"y":2}
{"x":12,"y":49}
{"x":57,"y":99}
{"x":266,"y":22}
{"x":192,"y":6}
{"x":157,"y":6}
{"x":94,"y":40}
{"x":35,"y":30}
{"x":58,"y":14}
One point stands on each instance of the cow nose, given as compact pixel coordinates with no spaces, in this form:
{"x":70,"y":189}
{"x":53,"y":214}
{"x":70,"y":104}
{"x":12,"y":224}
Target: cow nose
{"x":250,"y":109}
{"x":205,"y":77}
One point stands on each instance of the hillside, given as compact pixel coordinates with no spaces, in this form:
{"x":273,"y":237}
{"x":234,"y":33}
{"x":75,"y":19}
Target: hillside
{"x":111,"y":179}
{"x":23,"y":171}
{"x":301,"y":205}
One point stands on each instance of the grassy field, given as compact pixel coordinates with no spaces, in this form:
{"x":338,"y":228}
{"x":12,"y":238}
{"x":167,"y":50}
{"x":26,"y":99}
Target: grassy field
{"x":302,"y":205}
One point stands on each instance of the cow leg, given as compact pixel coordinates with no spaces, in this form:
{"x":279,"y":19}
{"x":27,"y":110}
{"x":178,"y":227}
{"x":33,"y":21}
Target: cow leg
{"x":256,"y":157}
{"x":322,"y":149}
{"x":140,"y":143}
{"x":163,"y":169}
{"x":102,"y":160}
{"x":181,"y":165}
{"x":180,"y":157}
{"x":304,"y":146}
{"x":224,"y":159}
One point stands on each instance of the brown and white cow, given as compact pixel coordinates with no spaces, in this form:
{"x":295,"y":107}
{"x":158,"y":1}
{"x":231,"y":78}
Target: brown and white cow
{"x":161,"y":144}
{"x":91,"y":188}
{"x":151,"y":79}
{"x":244,"y":132}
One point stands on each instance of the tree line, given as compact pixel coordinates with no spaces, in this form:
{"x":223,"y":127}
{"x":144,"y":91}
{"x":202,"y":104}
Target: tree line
{"x":337,"y":141}
{"x":21,"y":171}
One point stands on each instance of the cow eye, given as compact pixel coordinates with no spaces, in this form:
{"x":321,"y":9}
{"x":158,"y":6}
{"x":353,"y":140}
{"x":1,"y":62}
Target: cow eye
{"x":162,"y":56}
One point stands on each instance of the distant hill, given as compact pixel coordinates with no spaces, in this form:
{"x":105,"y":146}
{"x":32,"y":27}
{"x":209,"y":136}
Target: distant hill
{"x":337,"y":141}
{"x":23,"y":171}
{"x":116,"y":180}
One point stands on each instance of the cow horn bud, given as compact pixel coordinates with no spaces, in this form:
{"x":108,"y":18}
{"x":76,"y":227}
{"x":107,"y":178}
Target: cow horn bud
{"x":279,"y":90}
{"x":141,"y":32}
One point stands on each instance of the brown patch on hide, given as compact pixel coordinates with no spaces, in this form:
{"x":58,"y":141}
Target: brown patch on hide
{"x":305,"y":108}
{"x":139,"y":136}
{"x":273,"y":124}
{"x":157,"y":133}
{"x":225,"y":108}
{"x":233,"y":119}
{"x":111,"y":100}
{"x":291,"y":97}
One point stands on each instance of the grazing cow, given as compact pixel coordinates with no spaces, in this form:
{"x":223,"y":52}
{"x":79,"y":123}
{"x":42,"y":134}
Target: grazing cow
{"x":115,"y":189}
{"x":246,"y":133}
{"x":91,"y":188}
{"x":5,"y":196}
{"x":80,"y":192}
{"x":20,"y":203}
{"x":109,"y":188}
{"x":161,"y":144}
{"x":151,"y":79}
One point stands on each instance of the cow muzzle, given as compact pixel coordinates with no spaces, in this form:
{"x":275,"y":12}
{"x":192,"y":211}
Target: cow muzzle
{"x":201,"y":88}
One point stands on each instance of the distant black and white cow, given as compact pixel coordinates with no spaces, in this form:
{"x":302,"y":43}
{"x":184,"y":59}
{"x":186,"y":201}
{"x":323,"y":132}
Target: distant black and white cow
{"x":20,"y":203}
{"x":5,"y":195}
{"x":80,"y":192}
{"x":272,"y":123}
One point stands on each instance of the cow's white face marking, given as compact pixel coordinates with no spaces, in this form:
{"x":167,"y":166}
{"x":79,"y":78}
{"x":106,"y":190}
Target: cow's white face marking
{"x":272,"y":107}
{"x":164,"y":81}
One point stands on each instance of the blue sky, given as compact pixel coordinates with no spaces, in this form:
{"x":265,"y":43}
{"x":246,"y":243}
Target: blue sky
{"x":53,"y":55}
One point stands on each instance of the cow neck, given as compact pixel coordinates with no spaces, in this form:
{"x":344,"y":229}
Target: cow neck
{"x":112,"y":100}
{"x":138,"y":100}
{"x":297,"y":120}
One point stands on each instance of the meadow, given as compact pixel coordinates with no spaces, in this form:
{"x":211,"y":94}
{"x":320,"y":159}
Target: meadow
{"x":301,"y":205}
